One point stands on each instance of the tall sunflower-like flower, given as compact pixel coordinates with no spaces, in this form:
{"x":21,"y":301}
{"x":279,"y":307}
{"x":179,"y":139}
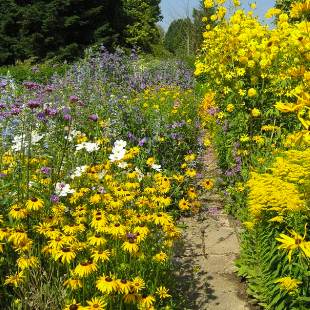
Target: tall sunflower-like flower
{"x":291,"y":244}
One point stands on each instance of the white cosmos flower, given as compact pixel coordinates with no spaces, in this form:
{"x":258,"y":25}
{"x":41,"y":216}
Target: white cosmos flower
{"x":120,"y":144}
{"x":117,"y":155}
{"x":91,"y":147}
{"x":63,"y":189}
{"x":22,"y":141}
{"x":88,"y":146}
{"x":122,"y":165}
{"x":78,"y":171}
{"x":156,"y":167}
{"x":140,"y":175}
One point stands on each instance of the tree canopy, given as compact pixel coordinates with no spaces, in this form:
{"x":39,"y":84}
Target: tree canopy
{"x":64,"y":28}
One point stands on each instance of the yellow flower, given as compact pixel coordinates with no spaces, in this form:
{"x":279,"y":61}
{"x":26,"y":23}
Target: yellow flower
{"x":230,"y":107}
{"x":85,"y":268}
{"x":66,"y":255}
{"x":130,"y":246}
{"x":138,"y":284}
{"x":162,"y":292}
{"x":160,"y":257}
{"x":190,"y":172}
{"x":207,"y":184}
{"x":252,"y":92}
{"x":96,"y":304}
{"x":288,"y":284}
{"x":74,"y":306}
{"x":255,"y":112}
{"x":208,"y":4}
{"x":34,"y":203}
{"x":293,"y":243}
{"x":106,"y":284}
{"x":16,"y":279}
{"x":73,"y":283}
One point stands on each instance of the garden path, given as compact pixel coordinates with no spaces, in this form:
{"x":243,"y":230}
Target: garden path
{"x":210,"y":247}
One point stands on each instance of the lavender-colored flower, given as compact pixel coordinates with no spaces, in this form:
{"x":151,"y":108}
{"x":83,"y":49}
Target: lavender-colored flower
{"x":46,"y":170}
{"x":67,"y":117}
{"x":33,"y":104}
{"x":93,"y":117}
{"x":131,"y":236}
{"x":219,"y":171}
{"x":2,"y":106}
{"x":2,"y":175}
{"x":238,"y":160}
{"x":236,"y":144}
{"x":229,"y":173}
{"x":15,"y":111}
{"x":54,"y":198}
{"x":141,"y":142}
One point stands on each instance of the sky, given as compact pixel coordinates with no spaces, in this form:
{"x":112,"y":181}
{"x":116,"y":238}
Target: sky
{"x":176,"y":9}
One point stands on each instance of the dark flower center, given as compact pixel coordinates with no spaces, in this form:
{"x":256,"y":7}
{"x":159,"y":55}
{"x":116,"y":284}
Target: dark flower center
{"x":16,"y":209}
{"x":84,"y":264}
{"x":117,"y":225}
{"x":98,"y":218}
{"x":159,"y":215}
{"x":108,"y":279}
{"x":74,"y":307}
{"x":89,"y":262}
{"x":34,"y":199}
{"x":97,"y":236}
{"x":57,"y":239}
{"x":123,"y":281}
{"x":66,"y":250}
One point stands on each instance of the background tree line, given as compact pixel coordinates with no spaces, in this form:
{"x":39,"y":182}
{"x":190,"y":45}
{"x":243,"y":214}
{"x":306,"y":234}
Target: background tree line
{"x":62,"y":29}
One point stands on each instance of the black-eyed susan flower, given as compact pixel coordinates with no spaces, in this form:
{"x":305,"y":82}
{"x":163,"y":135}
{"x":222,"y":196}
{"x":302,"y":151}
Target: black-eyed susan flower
{"x":130,"y":246}
{"x":57,"y":243}
{"x":96,"y":304}
{"x":184,"y":204}
{"x":102,"y":255}
{"x":34,"y":203}
{"x":74,"y":306}
{"x":160,"y":257}
{"x":16,"y":279}
{"x":85,"y":268}
{"x":17,"y":212}
{"x":73,"y":283}
{"x":132,"y":298}
{"x":147,"y":300}
{"x":106,"y":284}
{"x":4,"y":233}
{"x":162,"y":292}
{"x":66,"y":254}
{"x":117,"y":230}
{"x":138,"y":284}
{"x":27,"y":262}
{"x":190,"y":172}
{"x":18,"y":236}
{"x":124,"y":286}
{"x":97,"y":240}
{"x":207,"y":184}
